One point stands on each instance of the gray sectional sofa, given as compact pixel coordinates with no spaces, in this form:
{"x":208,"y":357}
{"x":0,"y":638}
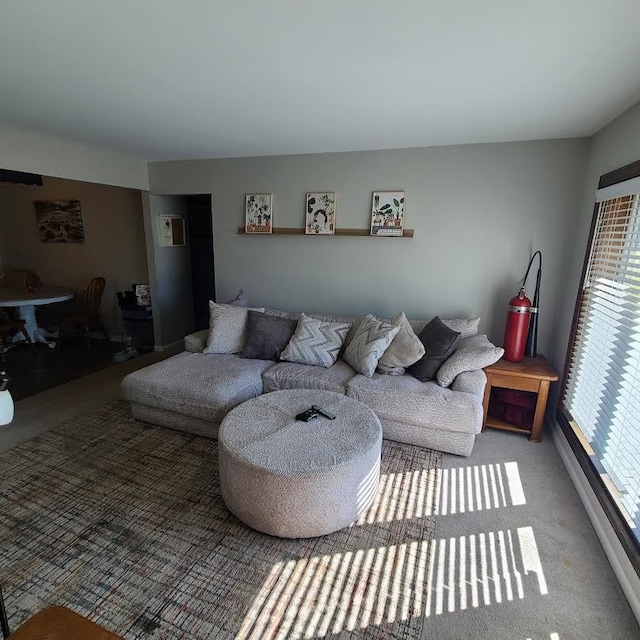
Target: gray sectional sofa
{"x":193,"y":391}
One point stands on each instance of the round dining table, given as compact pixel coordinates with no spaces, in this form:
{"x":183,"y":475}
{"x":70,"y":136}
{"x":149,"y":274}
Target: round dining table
{"x":26,"y":302}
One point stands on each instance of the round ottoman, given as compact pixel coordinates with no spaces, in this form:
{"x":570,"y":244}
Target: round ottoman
{"x":298,"y":479}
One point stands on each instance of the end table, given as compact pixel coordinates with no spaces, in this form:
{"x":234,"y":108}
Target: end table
{"x":532,"y":374}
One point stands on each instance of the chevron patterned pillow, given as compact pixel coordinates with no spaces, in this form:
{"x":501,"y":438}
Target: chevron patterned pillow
{"x":369,"y":343}
{"x":316,"y":342}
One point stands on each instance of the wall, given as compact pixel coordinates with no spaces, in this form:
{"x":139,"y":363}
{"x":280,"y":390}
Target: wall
{"x":616,"y":145}
{"x":5,"y":205}
{"x":169,"y":272}
{"x":37,"y":153}
{"x":114,"y":244}
{"x":478,"y":212}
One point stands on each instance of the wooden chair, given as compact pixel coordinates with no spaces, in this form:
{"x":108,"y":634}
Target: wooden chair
{"x":8,"y":327}
{"x":87,"y":311}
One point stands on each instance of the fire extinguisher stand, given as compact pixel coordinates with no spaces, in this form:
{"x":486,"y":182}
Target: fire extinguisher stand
{"x":531,"y":350}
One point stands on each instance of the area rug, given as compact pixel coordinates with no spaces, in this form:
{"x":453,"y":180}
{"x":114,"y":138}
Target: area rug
{"x":124,"y":523}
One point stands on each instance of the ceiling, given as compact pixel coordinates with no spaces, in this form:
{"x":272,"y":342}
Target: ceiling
{"x":176,"y":79}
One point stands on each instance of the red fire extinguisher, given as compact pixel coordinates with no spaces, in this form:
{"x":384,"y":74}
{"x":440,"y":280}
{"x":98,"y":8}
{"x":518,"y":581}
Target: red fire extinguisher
{"x":515,"y":333}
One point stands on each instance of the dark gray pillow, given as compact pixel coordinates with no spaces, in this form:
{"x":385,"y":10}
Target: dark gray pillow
{"x":267,"y":336}
{"x":439,"y":343}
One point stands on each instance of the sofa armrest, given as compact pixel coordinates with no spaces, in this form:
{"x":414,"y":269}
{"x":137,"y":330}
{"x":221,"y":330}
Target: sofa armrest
{"x":470,"y":382}
{"x":196,"y":342}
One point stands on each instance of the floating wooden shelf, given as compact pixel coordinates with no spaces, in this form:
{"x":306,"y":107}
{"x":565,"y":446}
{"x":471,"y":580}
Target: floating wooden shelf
{"x":288,"y":231}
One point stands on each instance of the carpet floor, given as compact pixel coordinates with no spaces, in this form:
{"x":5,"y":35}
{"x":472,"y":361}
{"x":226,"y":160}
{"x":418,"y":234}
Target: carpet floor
{"x":124,"y":523}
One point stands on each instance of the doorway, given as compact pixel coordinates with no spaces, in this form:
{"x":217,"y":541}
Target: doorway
{"x":200,"y":225}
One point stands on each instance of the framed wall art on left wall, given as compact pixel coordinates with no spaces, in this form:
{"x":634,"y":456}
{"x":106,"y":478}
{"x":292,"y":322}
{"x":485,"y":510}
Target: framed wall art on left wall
{"x":258,"y":212}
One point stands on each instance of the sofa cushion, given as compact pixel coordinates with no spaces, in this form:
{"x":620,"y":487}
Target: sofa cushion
{"x":475,"y":352}
{"x":315,"y":342}
{"x":196,"y":342}
{"x":406,"y":399}
{"x":439,"y":343}
{"x":405,"y":349}
{"x":199,"y":385}
{"x":227,"y":328}
{"x":291,"y":375}
{"x":281,"y":313}
{"x":370,"y":341}
{"x":470,"y":382}
{"x":267,"y":336}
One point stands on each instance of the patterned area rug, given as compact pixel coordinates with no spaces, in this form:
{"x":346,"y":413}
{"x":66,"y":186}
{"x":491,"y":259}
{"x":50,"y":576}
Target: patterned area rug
{"x":124,"y":523}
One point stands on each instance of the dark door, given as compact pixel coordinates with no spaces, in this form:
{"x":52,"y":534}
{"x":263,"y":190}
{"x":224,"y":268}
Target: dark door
{"x":201,"y":241}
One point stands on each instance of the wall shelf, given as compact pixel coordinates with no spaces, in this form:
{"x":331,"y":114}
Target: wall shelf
{"x":288,"y":231}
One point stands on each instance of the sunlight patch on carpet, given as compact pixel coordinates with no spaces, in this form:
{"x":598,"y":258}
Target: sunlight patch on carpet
{"x":478,"y":487}
{"x":483,"y":569}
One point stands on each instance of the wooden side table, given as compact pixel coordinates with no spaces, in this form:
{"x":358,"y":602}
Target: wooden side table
{"x":532,"y":374}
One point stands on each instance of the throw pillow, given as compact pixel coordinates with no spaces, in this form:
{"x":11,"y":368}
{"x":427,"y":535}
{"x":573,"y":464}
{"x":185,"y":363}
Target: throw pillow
{"x":316,"y":342}
{"x":464,"y":326}
{"x":439,"y":342}
{"x":239,"y":300}
{"x":475,"y":352}
{"x":267,"y":336}
{"x":404,"y":350}
{"x":227,"y":328}
{"x":369,"y":342}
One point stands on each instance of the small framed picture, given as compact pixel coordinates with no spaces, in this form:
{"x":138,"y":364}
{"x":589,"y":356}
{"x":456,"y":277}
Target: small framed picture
{"x":258,"y":210}
{"x":172,"y":233}
{"x":143,"y":294}
{"x":387,"y":213}
{"x":320,"y":215}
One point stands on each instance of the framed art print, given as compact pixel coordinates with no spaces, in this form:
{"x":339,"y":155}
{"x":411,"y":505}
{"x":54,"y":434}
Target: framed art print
{"x":59,"y":220}
{"x":320,"y":215}
{"x":258,"y":211}
{"x":387,"y":213}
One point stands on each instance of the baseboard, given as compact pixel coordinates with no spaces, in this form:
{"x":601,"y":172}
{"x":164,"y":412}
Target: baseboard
{"x":176,"y":346}
{"x":622,"y":567}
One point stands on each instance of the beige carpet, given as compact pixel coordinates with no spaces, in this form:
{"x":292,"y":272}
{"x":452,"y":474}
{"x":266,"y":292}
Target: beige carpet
{"x":125,"y":524}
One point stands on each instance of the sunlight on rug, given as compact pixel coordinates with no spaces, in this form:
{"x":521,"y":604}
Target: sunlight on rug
{"x":124,"y":523}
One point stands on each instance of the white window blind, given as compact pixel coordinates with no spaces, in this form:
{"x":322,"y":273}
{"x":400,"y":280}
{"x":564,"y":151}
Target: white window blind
{"x":602,"y":394}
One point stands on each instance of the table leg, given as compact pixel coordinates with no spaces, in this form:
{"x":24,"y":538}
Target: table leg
{"x":28,"y":314}
{"x":485,"y":402}
{"x":538,"y":419}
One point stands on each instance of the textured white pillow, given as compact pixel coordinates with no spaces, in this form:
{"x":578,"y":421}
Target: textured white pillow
{"x":369,"y":342}
{"x":227,"y":328}
{"x":474,"y":352}
{"x":405,"y":349}
{"x":315,"y":342}
{"x":239,"y":300}
{"x":466,"y":327}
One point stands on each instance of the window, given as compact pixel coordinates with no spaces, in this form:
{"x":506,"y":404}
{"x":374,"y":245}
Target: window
{"x":601,"y":399}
